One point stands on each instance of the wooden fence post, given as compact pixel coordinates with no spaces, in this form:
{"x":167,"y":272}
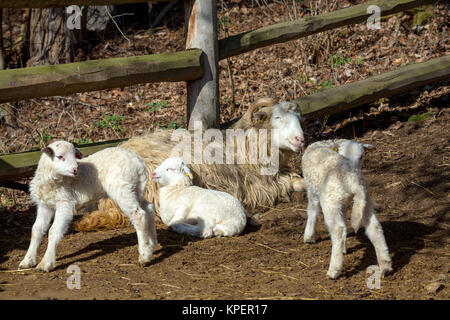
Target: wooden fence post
{"x":201,"y":33}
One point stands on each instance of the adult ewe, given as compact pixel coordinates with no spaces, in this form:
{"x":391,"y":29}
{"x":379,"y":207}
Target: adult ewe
{"x":243,"y":180}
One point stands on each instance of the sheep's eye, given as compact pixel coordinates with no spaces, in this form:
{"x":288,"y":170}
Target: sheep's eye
{"x":277,"y":118}
{"x":169,"y":169}
{"x":60,"y":158}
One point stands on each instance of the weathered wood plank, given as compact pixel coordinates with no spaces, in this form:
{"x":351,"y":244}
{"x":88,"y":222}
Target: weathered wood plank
{"x":64,"y":3}
{"x":291,"y":30}
{"x":42,"y":81}
{"x":19,"y":165}
{"x":348,"y":96}
{"x":203,"y":93}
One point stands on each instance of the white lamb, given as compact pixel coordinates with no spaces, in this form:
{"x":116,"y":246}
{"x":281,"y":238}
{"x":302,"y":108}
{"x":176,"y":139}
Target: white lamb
{"x":193,"y":210}
{"x":62,"y":184}
{"x":333,"y":177}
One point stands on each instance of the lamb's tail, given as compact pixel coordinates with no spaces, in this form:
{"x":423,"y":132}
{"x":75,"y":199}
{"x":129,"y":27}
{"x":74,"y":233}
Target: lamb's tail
{"x":360,"y":204}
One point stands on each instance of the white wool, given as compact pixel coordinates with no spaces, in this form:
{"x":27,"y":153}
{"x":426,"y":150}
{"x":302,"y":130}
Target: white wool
{"x":333,"y":177}
{"x":62,"y":184}
{"x":193,"y":210}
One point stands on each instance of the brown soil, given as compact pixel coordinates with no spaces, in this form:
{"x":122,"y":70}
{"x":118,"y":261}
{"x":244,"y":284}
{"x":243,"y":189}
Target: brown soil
{"x":408,"y":174}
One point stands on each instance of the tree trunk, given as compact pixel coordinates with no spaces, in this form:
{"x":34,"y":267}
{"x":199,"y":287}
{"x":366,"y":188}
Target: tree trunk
{"x":51,"y":42}
{"x":2,"y":59}
{"x":8,"y":119}
{"x":97,"y":18}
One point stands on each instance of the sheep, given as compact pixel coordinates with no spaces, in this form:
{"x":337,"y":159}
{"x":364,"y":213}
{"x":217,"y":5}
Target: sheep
{"x":244,"y":181}
{"x":332,"y":175}
{"x":63,"y":182}
{"x":193,"y":210}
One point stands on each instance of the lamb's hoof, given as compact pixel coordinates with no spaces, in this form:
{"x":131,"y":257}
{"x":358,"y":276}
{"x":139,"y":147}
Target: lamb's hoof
{"x":143,"y":262}
{"x":309,"y":240}
{"x":27,"y":263}
{"x":333,"y":274}
{"x":386,"y":269}
{"x":253,"y":221}
{"x":45,"y":267}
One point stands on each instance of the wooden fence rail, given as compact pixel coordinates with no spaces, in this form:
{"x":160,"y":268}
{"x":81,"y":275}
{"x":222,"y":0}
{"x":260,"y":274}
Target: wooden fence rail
{"x":61,"y":79}
{"x":358,"y":93}
{"x":292,"y":30}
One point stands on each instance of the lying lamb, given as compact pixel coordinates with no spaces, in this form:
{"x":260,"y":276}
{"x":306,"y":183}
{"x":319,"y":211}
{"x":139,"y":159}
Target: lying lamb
{"x":193,"y":210}
{"x":62,"y":184}
{"x":332,"y":174}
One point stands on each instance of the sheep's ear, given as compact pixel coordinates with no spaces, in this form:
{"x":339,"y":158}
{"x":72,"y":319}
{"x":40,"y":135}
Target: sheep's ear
{"x":48,"y":151}
{"x":78,"y":154}
{"x":294,"y":107}
{"x":187,"y":171}
{"x":369,"y":147}
{"x":260,"y":117}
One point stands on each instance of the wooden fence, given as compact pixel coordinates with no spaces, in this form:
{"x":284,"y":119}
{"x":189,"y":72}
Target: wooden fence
{"x":198,"y":66}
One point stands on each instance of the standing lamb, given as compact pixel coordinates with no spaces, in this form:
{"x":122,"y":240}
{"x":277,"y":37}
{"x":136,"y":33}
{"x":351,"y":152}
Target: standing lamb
{"x":61,"y":185}
{"x":193,"y":210}
{"x":333,"y":177}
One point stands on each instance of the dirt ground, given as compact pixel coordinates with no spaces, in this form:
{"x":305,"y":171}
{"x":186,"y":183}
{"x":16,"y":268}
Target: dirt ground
{"x":409,"y":182}
{"x":408,"y":173}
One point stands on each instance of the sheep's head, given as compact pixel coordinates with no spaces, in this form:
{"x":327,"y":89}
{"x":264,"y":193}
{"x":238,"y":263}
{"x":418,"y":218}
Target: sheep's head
{"x":171,"y":170}
{"x":353,"y":151}
{"x":286,"y":118}
{"x":63,"y":156}
{"x":283,"y":116}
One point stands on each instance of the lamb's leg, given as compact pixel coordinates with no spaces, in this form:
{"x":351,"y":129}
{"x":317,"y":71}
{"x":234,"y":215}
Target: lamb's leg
{"x":142,"y":220}
{"x":344,"y":237}
{"x":335,"y":222}
{"x":150,"y":209}
{"x":201,"y":229}
{"x":313,"y":212}
{"x":374,"y":232}
{"x":186,"y":228}
{"x":63,"y":217}
{"x":40,"y":227}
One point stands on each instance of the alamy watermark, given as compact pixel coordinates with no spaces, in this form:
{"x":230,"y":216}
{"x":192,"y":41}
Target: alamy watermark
{"x":74,"y":17}
{"x":374,"y":280}
{"x":253,"y":146}
{"x":74,"y":280}
{"x":374,"y":21}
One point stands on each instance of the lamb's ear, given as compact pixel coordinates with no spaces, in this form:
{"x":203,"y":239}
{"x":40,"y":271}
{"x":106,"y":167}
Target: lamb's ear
{"x":187,"y":171}
{"x":78,"y":154}
{"x":369,"y":147}
{"x":49,"y":151}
